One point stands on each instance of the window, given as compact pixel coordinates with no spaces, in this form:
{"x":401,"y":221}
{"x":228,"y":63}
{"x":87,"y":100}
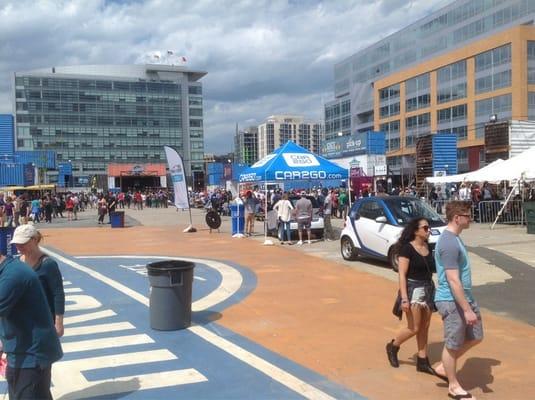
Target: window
{"x":493,"y":82}
{"x":451,"y":114}
{"x":493,"y":58}
{"x":371,"y":210}
{"x":195,"y":90}
{"x":494,"y":105}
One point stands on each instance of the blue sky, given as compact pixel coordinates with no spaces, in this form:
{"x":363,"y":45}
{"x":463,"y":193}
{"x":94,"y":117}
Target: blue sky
{"x":262,"y":57}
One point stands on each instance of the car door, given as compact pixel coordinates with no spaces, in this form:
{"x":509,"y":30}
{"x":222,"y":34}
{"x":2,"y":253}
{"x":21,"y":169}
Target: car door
{"x":370,"y":233}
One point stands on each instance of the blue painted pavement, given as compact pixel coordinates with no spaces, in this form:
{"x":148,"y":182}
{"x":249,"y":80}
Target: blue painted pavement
{"x":111,"y":351}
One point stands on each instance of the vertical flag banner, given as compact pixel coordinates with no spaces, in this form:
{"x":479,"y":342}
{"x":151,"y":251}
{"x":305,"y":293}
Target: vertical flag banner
{"x":178,"y":177}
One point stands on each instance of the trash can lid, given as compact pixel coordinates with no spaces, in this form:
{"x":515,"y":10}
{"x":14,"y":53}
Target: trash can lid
{"x":169,"y":265}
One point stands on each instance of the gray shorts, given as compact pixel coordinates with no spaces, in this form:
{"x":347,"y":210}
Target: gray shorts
{"x":456,"y":331}
{"x":303,"y":223}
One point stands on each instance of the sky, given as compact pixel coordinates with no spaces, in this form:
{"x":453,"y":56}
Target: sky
{"x":262,"y":57}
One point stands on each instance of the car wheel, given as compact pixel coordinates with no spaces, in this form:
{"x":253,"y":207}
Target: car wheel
{"x":348,"y":249}
{"x":393,"y":258}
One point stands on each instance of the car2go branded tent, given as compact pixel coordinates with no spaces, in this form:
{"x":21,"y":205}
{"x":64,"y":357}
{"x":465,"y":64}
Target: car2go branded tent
{"x":292,"y":162}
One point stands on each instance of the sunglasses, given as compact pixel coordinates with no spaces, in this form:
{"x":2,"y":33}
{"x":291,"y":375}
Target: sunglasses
{"x":425,"y":228}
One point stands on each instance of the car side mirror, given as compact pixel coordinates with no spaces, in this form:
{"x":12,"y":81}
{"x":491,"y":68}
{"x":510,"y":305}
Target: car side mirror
{"x":381,"y":219}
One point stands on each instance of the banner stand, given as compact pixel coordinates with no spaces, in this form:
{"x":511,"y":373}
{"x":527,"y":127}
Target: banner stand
{"x":178,"y":177}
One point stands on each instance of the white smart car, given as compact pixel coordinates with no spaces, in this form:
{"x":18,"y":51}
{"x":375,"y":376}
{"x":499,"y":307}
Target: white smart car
{"x":374,"y":224}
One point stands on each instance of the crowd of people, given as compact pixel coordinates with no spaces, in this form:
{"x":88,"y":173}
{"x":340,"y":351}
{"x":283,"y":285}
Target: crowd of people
{"x":18,"y":210}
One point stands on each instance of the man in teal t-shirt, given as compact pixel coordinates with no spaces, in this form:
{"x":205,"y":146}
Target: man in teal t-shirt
{"x":463,"y":328}
{"x":27,"y":332}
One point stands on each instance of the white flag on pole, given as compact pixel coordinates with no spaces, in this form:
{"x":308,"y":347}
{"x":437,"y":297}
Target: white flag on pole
{"x":178,"y":177}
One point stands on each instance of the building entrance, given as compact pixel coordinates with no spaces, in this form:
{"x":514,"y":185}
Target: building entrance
{"x":134,"y":183}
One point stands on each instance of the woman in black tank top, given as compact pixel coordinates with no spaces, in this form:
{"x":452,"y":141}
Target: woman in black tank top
{"x":416,"y":291}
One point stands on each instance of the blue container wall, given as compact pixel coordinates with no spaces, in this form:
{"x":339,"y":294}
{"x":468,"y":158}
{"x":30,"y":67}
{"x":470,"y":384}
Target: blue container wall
{"x":7,"y":135}
{"x":445,"y":153}
{"x":376,"y":142}
{"x":215,"y":168}
{"x":215,"y":179}
{"x":40,"y":158}
{"x":237,"y":169}
{"x":12,"y":174}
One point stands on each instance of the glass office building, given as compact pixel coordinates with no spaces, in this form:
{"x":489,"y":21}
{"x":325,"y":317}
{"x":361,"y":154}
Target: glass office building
{"x":97,"y":115}
{"x":455,"y":26}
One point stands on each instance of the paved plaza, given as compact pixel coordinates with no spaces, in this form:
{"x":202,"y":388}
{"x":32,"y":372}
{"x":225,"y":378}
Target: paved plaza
{"x":272,"y":321}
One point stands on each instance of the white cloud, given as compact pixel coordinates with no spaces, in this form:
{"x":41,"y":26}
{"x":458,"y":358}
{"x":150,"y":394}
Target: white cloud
{"x":263,"y":57}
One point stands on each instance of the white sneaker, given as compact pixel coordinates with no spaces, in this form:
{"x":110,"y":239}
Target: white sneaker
{"x":300,"y":243}
{"x":309,"y":241}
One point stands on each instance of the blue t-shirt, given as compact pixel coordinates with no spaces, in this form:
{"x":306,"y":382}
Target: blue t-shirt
{"x":450,"y":253}
{"x":26,"y":329}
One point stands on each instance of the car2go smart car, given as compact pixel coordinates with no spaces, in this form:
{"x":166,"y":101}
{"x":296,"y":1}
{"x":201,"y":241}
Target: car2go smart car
{"x":374,"y":224}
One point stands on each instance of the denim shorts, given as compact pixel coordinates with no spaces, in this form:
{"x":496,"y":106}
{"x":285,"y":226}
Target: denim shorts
{"x":456,"y":331}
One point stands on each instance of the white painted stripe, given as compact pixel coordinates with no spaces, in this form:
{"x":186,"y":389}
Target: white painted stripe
{"x":73,"y":290}
{"x":128,"y":384}
{"x":118,"y":360}
{"x":102,"y":328}
{"x":274,"y":372}
{"x":66,"y":283}
{"x":88,"y":317}
{"x":230,"y":283}
{"x":106,"y":343}
{"x":291,"y":382}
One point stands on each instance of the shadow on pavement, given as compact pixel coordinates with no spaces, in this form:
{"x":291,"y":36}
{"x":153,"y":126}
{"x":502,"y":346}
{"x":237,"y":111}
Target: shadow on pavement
{"x":108,"y":390}
{"x":514,"y":297}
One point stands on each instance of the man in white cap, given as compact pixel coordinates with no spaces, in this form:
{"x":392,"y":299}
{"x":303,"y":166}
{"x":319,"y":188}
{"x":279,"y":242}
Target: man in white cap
{"x":27,"y":331}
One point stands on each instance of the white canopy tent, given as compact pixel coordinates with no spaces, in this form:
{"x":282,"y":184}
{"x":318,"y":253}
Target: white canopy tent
{"x":521,"y":166}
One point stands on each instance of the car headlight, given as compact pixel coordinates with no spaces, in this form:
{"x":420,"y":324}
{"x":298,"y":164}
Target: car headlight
{"x":435,"y":232}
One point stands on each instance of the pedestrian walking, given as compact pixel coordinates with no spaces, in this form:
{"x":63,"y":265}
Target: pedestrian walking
{"x":27,"y":239}
{"x":27,"y":332}
{"x":416,"y":291}
{"x":284,"y":213}
{"x":463,"y":327}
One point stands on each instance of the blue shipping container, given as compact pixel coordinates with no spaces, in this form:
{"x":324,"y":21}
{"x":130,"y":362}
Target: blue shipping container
{"x":214,"y":168}
{"x":40,"y":158}
{"x":215,"y":179}
{"x":7,"y":136}
{"x":445,"y":153}
{"x":16,"y":174}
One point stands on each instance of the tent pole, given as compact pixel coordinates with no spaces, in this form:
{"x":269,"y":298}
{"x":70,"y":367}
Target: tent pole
{"x":504,"y":205}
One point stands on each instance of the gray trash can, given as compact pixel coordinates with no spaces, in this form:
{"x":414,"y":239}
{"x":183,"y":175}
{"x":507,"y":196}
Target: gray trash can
{"x":170,"y":297}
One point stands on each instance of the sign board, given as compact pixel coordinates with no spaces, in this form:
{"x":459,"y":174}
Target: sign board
{"x":380,"y":170}
{"x":345,"y":146}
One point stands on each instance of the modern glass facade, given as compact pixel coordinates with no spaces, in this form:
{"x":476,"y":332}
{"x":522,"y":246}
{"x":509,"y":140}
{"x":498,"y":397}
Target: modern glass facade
{"x":97,"y":115}
{"x":449,"y":28}
{"x":246,"y":146}
{"x":7,"y":145}
{"x":278,"y":129}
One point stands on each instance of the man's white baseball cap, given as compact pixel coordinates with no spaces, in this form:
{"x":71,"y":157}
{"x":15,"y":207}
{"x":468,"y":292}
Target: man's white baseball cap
{"x":23,"y":233}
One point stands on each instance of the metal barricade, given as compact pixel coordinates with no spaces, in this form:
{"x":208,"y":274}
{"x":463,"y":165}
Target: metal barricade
{"x":488,"y":210}
{"x":440,"y":207}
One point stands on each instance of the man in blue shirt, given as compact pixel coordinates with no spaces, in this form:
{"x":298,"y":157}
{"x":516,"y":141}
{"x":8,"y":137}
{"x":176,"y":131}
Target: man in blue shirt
{"x":27,"y":332}
{"x":463,"y":327}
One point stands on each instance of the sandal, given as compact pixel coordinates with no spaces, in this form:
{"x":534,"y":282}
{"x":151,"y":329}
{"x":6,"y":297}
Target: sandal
{"x":460,"y":396}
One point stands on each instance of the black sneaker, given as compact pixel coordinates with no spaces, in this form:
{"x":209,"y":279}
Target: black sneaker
{"x":392,"y":354}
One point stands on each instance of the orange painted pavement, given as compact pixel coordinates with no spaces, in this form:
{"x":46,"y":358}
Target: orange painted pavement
{"x":327,"y":317}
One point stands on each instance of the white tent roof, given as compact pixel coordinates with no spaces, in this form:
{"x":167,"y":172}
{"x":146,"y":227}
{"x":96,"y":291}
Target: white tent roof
{"x":521,"y":166}
{"x":461,"y":177}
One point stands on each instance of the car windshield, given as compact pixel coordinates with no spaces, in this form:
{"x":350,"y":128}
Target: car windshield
{"x":405,"y":209}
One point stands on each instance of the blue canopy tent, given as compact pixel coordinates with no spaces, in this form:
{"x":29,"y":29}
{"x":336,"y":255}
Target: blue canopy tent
{"x":292,"y":162}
